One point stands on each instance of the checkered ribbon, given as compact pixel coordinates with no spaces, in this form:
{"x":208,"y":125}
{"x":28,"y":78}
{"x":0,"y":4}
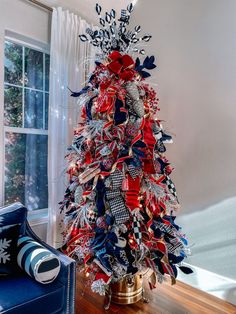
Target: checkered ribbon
{"x":116,"y":178}
{"x":136,"y":230}
{"x":134,"y":172}
{"x":112,"y":194}
{"x":165,"y":228}
{"x":174,"y":245}
{"x":91,"y":216}
{"x":114,"y":198}
{"x":171,"y":186}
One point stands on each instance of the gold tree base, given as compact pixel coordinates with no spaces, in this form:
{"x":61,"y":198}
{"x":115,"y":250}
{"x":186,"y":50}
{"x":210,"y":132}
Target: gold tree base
{"x":126,"y":291}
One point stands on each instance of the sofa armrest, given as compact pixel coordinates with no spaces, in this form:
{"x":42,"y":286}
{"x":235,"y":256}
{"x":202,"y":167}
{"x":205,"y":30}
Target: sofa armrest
{"x":67,"y":272}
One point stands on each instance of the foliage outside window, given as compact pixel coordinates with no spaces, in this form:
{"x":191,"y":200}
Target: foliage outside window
{"x":26,"y":94}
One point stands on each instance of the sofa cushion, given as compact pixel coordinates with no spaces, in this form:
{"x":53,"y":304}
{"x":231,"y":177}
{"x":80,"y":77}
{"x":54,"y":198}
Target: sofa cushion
{"x":13,"y":214}
{"x":22,"y":294}
{"x":37,"y":261}
{"x":12,"y":223}
{"x":8,"y":248}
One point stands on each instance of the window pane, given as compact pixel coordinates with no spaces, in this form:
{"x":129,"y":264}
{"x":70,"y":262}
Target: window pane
{"x":46,"y":110}
{"x":47,"y":66}
{"x":13,"y":63}
{"x":13,"y":106}
{"x":33,"y":116}
{"x":26,"y":170}
{"x":33,"y":68}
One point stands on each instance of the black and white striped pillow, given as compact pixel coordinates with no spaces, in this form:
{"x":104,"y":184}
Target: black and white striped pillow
{"x":37,"y":261}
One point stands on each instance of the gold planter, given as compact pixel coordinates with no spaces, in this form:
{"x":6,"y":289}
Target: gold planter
{"x":128,"y":290}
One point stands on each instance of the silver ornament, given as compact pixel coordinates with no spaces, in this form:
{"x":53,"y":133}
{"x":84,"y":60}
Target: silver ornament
{"x":135,"y":102}
{"x":138,"y":108}
{"x":132,"y":90}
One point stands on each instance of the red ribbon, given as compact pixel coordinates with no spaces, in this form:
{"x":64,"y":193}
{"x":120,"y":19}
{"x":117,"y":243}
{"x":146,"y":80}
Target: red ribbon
{"x":148,"y":137}
{"x":102,"y":276}
{"x":121,"y":65}
{"x":79,"y":237}
{"x":132,"y":194}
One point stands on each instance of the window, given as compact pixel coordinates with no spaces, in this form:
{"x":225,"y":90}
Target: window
{"x":26,"y":94}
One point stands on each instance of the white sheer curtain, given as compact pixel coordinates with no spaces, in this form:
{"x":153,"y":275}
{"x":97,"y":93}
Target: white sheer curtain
{"x":69,"y":66}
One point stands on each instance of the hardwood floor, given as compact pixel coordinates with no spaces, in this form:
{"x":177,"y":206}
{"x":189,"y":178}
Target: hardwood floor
{"x":165,"y":299}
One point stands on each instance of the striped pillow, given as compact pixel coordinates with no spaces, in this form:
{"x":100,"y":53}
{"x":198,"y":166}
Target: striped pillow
{"x":37,"y":261}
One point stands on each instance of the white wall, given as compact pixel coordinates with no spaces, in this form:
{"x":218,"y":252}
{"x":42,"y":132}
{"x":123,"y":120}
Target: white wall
{"x":195,"y":45}
{"x":20,"y":17}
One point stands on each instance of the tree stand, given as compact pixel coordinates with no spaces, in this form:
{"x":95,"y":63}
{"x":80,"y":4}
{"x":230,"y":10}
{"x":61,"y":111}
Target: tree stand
{"x":126,"y":291}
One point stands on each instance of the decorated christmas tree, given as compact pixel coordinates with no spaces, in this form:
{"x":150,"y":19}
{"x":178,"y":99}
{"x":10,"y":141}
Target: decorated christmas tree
{"x":120,"y":203}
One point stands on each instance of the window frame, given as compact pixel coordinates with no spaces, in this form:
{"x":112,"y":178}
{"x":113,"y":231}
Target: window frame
{"x":38,"y":216}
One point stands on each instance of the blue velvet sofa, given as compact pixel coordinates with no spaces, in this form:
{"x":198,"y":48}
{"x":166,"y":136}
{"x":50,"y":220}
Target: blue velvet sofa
{"x":20,"y":294}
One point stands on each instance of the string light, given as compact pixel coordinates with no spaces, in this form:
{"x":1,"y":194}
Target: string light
{"x":72,"y":165}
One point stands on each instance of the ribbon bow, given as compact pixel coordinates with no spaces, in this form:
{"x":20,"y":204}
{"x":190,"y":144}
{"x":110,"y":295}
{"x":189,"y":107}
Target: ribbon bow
{"x":121,"y":65}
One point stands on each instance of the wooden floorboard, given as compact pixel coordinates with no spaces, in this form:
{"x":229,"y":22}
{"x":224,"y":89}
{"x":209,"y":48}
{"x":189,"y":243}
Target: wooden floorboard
{"x":165,"y":299}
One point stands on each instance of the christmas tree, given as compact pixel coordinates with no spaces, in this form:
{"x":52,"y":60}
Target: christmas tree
{"x":120,"y":203}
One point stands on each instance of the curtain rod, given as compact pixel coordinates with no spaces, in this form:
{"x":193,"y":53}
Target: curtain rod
{"x":41,"y":5}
